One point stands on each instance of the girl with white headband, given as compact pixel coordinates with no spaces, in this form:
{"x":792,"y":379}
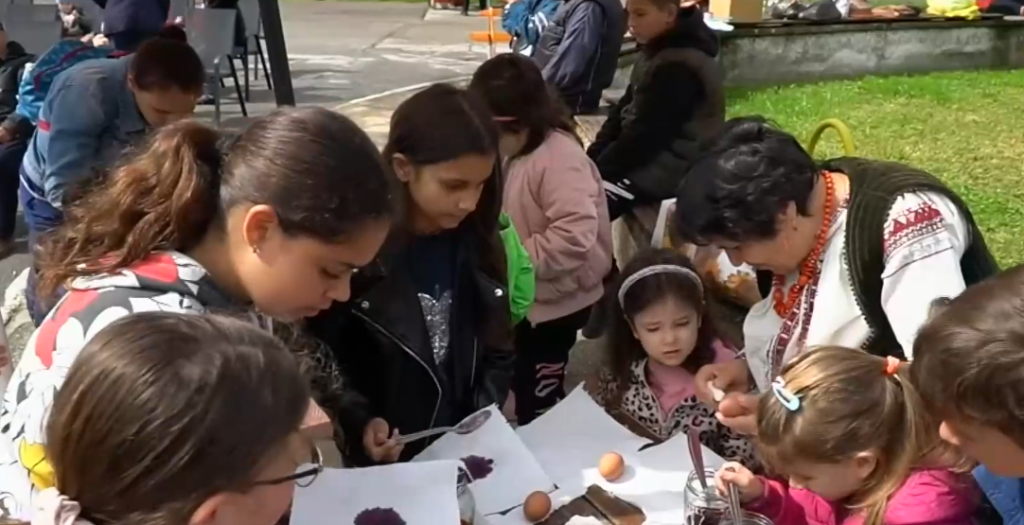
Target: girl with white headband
{"x":661,"y":333}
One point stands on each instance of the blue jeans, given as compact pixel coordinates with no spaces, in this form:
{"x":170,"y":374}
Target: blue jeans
{"x":40,"y":217}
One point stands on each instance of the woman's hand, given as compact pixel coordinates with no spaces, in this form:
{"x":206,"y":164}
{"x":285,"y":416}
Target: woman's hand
{"x":381,"y":442}
{"x":739,"y":412}
{"x":750,"y":486}
{"x":730,"y":376}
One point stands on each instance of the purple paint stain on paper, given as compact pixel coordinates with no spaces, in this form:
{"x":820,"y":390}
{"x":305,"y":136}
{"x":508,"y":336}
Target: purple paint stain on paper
{"x":479,"y":467}
{"x":379,"y":516}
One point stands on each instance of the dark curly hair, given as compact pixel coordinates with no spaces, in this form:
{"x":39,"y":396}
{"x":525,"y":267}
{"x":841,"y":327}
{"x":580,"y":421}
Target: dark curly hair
{"x":750,"y":175}
{"x":624,"y":348}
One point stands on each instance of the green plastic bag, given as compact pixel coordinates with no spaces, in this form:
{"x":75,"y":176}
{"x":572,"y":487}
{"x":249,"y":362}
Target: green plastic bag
{"x":522,"y":285}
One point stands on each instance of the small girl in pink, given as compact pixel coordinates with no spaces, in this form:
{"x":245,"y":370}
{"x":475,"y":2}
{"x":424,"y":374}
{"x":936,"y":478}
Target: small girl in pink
{"x":660,"y":335}
{"x":856,"y":447}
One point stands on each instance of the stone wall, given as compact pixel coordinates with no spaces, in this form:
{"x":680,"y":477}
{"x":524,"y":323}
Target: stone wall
{"x":809,"y":53}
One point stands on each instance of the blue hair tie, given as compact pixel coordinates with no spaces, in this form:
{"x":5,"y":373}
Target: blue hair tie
{"x":788,"y":399}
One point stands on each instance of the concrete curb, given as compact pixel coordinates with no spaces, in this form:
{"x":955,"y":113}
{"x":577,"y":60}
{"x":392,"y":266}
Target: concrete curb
{"x":399,"y":91}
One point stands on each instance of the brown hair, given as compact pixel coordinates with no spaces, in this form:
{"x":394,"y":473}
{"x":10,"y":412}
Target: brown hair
{"x":168,"y":63}
{"x":969,"y":357}
{"x":513,"y":88}
{"x":319,"y":171}
{"x":161,"y":411}
{"x":440,"y":124}
{"x":849,"y":405}
{"x":623,"y":348}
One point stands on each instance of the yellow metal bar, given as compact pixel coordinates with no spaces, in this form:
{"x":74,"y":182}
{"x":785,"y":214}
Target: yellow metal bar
{"x":844,"y":135}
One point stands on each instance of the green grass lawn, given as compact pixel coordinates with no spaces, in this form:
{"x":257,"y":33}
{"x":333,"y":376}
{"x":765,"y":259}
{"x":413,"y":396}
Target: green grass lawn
{"x":965,"y":128}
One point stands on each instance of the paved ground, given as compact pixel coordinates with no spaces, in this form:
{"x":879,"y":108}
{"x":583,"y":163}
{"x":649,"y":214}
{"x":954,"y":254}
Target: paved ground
{"x":342,"y":51}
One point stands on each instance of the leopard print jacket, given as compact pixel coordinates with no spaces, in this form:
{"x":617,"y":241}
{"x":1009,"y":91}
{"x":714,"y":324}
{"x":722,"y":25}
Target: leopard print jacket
{"x":640,"y":403}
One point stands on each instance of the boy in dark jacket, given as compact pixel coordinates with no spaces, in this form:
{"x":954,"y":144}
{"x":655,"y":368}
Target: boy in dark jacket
{"x":579,"y":51}
{"x":13,"y":136}
{"x":675,"y":100}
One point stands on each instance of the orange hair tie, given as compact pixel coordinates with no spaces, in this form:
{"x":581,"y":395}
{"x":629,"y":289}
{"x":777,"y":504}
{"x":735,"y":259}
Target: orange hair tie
{"x":892,"y":365}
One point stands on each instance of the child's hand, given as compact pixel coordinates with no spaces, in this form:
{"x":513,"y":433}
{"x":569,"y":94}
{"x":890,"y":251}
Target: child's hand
{"x":749,"y":485}
{"x":381,"y":442}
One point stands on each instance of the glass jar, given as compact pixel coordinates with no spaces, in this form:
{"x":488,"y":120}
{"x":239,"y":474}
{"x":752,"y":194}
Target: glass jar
{"x":467,"y":504}
{"x":708,"y":507}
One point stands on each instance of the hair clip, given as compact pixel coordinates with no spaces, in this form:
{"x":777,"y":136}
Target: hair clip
{"x":892,"y":365}
{"x":788,"y":399}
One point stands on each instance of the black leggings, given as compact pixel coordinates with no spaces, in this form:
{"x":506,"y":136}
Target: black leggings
{"x":542,"y":353}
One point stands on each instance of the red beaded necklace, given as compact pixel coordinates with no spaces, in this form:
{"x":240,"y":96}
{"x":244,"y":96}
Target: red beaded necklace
{"x":784,"y":302}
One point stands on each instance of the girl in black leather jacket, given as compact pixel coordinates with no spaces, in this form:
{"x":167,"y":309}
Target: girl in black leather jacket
{"x":426,"y":337}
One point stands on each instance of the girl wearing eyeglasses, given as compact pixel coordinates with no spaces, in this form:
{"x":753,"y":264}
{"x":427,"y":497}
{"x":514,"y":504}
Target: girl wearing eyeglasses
{"x":173,"y":419}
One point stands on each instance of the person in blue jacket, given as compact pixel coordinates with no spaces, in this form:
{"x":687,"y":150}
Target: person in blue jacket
{"x":92,"y":113}
{"x":129,"y":23}
{"x":578,"y":52}
{"x":969,"y":368}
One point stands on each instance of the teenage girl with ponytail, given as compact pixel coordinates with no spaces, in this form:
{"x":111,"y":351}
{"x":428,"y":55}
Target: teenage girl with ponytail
{"x":276,"y":221}
{"x":850,"y":436}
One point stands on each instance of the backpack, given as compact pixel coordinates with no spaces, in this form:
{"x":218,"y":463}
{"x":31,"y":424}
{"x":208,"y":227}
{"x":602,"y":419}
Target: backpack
{"x":36,"y":82}
{"x":526,"y":20}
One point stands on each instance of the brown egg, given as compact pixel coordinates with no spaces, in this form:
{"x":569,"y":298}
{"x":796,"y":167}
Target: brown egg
{"x":537,"y":507}
{"x":611,"y":466}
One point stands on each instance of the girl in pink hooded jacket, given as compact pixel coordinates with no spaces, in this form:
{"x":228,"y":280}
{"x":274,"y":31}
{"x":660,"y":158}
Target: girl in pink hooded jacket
{"x":555,"y":197}
{"x":850,"y":435}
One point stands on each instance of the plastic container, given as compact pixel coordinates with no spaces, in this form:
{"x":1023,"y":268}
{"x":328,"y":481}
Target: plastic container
{"x":708,"y":507}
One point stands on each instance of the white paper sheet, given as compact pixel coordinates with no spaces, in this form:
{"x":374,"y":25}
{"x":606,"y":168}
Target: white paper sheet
{"x":515,"y":516}
{"x":571,"y":438}
{"x":420,"y":493}
{"x":655,"y":479}
{"x":514,"y":473}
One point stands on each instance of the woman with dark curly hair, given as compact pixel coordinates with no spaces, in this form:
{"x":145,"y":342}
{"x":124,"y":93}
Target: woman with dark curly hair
{"x":870,"y":243}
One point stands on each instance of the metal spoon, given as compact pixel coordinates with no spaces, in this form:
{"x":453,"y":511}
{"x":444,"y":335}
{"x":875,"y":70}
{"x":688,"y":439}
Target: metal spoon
{"x":734,"y":504}
{"x":697,"y":455}
{"x":466,"y":426}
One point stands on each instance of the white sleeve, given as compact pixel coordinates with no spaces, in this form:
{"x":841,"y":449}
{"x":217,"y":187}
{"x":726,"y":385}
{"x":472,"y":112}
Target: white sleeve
{"x":925,"y":238}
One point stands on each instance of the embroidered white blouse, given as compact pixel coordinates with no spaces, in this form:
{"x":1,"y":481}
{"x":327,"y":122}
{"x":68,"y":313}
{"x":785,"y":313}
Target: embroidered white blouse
{"x":925,"y":237}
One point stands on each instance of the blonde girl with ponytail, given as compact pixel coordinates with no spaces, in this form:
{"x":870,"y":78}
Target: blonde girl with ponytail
{"x":851,"y":443}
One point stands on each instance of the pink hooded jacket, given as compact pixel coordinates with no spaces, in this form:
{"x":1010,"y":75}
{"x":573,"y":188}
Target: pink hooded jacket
{"x":555,"y":197}
{"x":928,"y":497}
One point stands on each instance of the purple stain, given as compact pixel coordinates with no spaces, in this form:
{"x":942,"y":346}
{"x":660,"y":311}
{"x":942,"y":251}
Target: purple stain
{"x":479,"y":467}
{"x":379,"y":516}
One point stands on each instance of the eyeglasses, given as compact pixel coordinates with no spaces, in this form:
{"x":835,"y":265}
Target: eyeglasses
{"x":302,"y":478}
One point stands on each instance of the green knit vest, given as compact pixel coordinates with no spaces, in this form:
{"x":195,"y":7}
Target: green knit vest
{"x":874,"y":186}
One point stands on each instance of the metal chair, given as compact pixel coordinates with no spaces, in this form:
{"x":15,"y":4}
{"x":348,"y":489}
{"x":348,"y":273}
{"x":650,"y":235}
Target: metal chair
{"x":211,"y":33}
{"x":179,"y":8}
{"x":250,"y":11}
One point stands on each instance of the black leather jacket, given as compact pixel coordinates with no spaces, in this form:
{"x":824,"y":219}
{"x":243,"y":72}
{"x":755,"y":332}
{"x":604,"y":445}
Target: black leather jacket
{"x":381,"y":343}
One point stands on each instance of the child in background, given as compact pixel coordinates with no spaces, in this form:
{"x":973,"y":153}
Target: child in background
{"x":661,"y":334}
{"x":968,"y":366}
{"x":427,"y":334}
{"x":211,"y":406}
{"x":851,"y":435}
{"x":553,"y":193}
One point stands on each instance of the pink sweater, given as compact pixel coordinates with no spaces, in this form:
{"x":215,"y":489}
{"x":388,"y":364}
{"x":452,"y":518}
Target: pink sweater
{"x":555,"y":197}
{"x":928,"y":497}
